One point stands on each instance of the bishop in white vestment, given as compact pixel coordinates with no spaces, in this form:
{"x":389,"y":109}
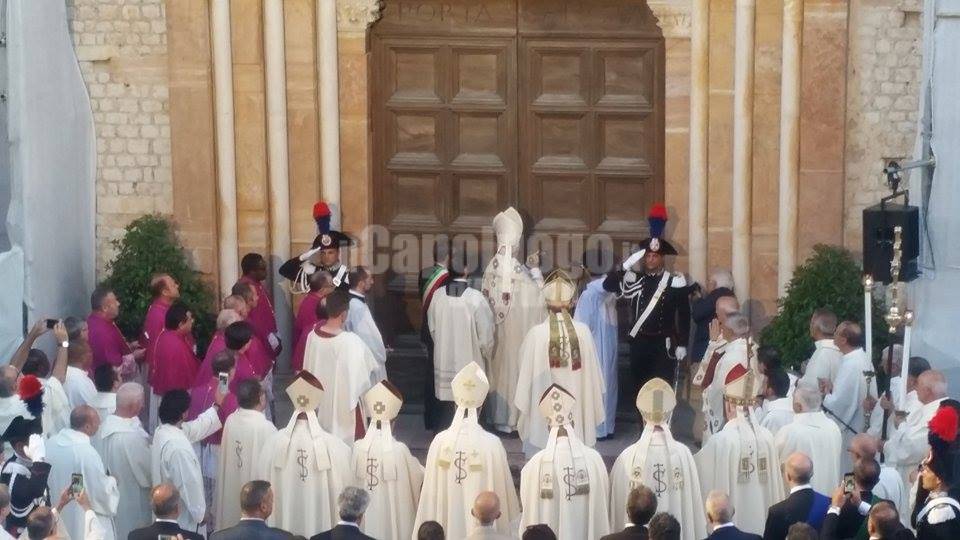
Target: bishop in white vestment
{"x":463,"y":461}
{"x":843,"y":399}
{"x":243,"y":437}
{"x":741,"y":459}
{"x":565,"y":485}
{"x":660,"y":463}
{"x":345,"y":367}
{"x":307,"y":466}
{"x":813,"y":434}
{"x":385,"y":467}
{"x":736,"y":349}
{"x":70,"y":452}
{"x":559,"y":351}
{"x":515,"y":296}
{"x":125,"y":449}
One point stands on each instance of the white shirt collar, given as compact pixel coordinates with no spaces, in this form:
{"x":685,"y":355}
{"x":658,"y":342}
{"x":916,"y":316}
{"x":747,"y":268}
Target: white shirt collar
{"x":357,"y":293}
{"x":348,"y":524}
{"x":725,"y":525}
{"x":795,"y":489}
{"x":855,"y":353}
{"x":825,"y":344}
{"x":245,"y":518}
{"x":162,"y":520}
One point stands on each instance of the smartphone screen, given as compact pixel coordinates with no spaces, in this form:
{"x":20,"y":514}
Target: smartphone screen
{"x":76,"y":483}
{"x":223,"y":381}
{"x":849,"y":486}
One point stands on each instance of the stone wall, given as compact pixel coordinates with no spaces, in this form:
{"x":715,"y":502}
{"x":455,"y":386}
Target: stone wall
{"x":883,"y":81}
{"x":122,"y":48}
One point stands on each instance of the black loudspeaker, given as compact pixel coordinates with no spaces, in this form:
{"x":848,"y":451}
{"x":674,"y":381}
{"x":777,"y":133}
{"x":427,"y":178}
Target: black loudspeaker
{"x":878,"y":224}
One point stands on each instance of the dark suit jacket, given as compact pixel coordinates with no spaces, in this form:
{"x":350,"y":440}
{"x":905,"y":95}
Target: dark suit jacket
{"x":793,"y":509}
{"x":732,"y":533}
{"x":848,"y":523}
{"x":161,"y":527}
{"x":632,"y":532}
{"x":251,"y":529}
{"x":342,"y":532}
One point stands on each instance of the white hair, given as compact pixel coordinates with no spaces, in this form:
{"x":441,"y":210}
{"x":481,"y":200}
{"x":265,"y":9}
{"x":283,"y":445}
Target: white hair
{"x":721,"y":277}
{"x":719,"y":507}
{"x":808,"y":397}
{"x":128,"y":394}
{"x":226,"y":317}
{"x":738,"y":323}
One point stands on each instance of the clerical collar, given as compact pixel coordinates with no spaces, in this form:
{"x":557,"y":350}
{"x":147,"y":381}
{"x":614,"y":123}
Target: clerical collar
{"x":348,"y":524}
{"x":795,"y":489}
{"x":163,"y":520}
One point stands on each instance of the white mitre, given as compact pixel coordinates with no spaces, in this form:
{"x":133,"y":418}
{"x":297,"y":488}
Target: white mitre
{"x":305,"y":393}
{"x":470,"y":387}
{"x":383,"y":403}
{"x":655,"y":401}
{"x":742,"y":389}
{"x":556,"y":406}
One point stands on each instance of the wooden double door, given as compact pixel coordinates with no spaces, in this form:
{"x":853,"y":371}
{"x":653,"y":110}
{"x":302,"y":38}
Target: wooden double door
{"x":552,"y":106}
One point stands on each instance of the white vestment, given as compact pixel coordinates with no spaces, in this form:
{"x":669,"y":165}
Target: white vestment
{"x":732,"y":353}
{"x":845,"y":402}
{"x":79,"y":388}
{"x":56,"y":407}
{"x":125,"y":449}
{"x":346,"y":368}
{"x":308,"y":469}
{"x":536,"y":375}
{"x":244,"y":434}
{"x":815,"y":435}
{"x":907,"y":445}
{"x":462,"y":332}
{"x":911,"y":404}
{"x":526,"y":308}
{"x":891,"y":487}
{"x":777,"y":413}
{"x":69,"y":452}
{"x":597,"y":308}
{"x":824,"y":363}
{"x":105,"y":404}
{"x":392,"y":477}
{"x":721,"y":463}
{"x":464,"y":460}
{"x":565,"y":485}
{"x":173,"y":459}
{"x":360,"y":322}
{"x":666,"y":467}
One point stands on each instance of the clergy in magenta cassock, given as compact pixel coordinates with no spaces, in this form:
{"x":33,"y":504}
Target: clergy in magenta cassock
{"x":243,"y":437}
{"x":173,"y":361}
{"x":225,"y":318}
{"x":307,"y":466}
{"x":309,"y":313}
{"x":237,"y":338}
{"x":463,"y":461}
{"x":741,"y":459}
{"x":344,"y":366}
{"x":385,"y":468}
{"x":660,"y":463}
{"x":559,"y":351}
{"x":515,"y":295}
{"x":165,"y":291}
{"x":107,"y":343}
{"x":261,"y":316}
{"x":814,"y":435}
{"x":597,"y":308}
{"x":565,"y":485}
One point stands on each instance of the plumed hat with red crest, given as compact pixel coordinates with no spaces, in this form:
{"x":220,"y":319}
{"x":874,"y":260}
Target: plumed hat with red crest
{"x":944,"y":443}
{"x":327,"y":237}
{"x":658,"y":225}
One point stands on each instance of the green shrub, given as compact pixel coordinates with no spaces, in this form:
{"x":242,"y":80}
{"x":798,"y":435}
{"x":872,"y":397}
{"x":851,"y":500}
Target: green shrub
{"x":149,"y":247}
{"x":831,"y":279}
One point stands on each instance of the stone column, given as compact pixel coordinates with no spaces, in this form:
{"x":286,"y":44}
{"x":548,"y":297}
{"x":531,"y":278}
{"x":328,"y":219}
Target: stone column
{"x":327,"y":71}
{"x":226,"y":150}
{"x":279,"y":176}
{"x":789,"y":141}
{"x":699,"y":126}
{"x":745,"y":28}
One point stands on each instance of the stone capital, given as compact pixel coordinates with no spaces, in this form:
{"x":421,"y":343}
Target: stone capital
{"x":673,"y":17}
{"x":356,"y":16}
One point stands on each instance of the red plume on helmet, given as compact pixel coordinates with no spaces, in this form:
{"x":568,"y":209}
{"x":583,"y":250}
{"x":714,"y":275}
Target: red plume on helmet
{"x":30,"y":391}
{"x":657,"y":220}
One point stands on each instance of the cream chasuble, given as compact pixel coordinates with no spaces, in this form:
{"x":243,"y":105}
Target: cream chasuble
{"x":244,"y":435}
{"x":125,"y":449}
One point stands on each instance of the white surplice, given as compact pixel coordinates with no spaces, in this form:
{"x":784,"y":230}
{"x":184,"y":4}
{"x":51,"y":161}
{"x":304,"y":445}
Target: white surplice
{"x":824,"y":363}
{"x":360,"y":322}
{"x":891,"y":487}
{"x":552,"y":485}
{"x":70,"y":452}
{"x":777,"y":413}
{"x":911,"y":404}
{"x":666,"y":467}
{"x":732,"y":353}
{"x":536,"y":375}
{"x":308,"y":469}
{"x":719,"y":463}
{"x":815,"y":435}
{"x":125,"y":449}
{"x":79,"y":388}
{"x":346,"y":368}
{"x":597,"y":308}
{"x":464,"y":460}
{"x":244,"y":434}
{"x":105,"y":404}
{"x":56,"y":407}
{"x":907,"y":445}
{"x":173,"y":459}
{"x":462,"y":332}
{"x":392,"y":477}
{"x":845,"y":402}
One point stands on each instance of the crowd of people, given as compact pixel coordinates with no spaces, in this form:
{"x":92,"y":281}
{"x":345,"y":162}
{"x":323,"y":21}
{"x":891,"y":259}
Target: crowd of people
{"x":142,"y":438}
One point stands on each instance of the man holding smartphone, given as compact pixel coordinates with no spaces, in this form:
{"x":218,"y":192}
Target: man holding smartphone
{"x":851,"y":502}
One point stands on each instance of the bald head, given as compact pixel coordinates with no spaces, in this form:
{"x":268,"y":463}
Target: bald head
{"x":85,"y":419}
{"x":486,"y":507}
{"x":863,"y":446}
{"x":726,"y":306}
{"x":129,"y":400}
{"x":719,"y":508}
{"x":165,"y":500}
{"x":931,"y":386}
{"x":799,"y":469}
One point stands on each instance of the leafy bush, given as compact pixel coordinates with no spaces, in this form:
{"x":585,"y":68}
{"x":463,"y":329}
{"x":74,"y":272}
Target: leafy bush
{"x":831,"y":279}
{"x":149,"y":247}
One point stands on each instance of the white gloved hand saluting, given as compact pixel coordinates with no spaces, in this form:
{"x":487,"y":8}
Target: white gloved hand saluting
{"x":36,"y":450}
{"x":681,"y":353}
{"x":633,"y":259}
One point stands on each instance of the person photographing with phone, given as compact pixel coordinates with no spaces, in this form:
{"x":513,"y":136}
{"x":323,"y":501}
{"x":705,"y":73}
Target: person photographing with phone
{"x":851,"y":502}
{"x":46,"y":522}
